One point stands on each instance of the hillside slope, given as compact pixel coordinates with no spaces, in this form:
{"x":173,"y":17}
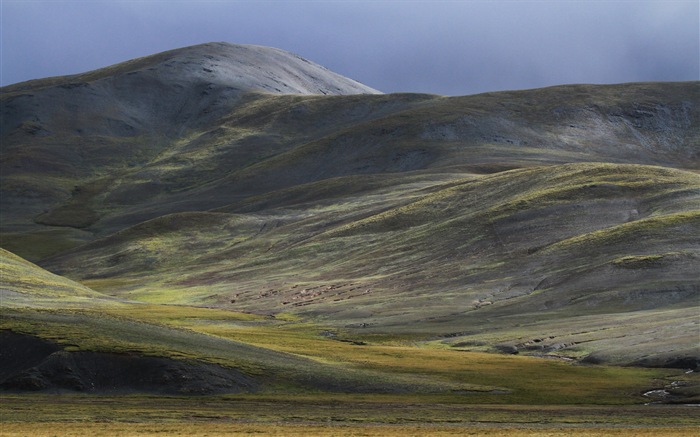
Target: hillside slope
{"x":540,"y":221}
{"x":82,"y":132}
{"x":555,"y":243}
{"x":57,"y":336}
{"x":94,"y":184}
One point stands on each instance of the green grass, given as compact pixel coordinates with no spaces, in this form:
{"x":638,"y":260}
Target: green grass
{"x":645,"y":228}
{"x":20,"y":276}
{"x":648,"y":261}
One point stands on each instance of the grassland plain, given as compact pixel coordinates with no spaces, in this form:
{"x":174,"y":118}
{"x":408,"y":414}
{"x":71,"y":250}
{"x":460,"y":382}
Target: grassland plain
{"x":329,"y":415}
{"x":345,"y":264}
{"x":208,"y":429}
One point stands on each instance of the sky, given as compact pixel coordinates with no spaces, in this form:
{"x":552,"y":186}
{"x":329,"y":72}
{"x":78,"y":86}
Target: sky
{"x":441,"y":47}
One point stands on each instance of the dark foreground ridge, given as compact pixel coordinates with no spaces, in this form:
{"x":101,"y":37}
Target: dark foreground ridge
{"x":29,"y":363}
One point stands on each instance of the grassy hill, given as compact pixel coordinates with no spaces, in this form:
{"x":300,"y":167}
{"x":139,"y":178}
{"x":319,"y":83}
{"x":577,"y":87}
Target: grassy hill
{"x":559,"y":243}
{"x":307,"y":237}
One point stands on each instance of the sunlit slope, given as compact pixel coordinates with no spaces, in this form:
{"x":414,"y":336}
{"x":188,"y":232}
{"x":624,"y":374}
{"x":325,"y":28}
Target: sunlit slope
{"x":25,"y":284}
{"x":503,"y":250}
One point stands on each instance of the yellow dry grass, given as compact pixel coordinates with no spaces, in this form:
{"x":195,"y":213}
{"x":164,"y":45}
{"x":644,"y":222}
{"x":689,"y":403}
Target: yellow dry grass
{"x":50,"y":429}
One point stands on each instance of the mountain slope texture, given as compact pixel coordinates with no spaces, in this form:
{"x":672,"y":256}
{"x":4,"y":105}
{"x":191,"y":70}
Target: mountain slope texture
{"x":246,"y":184}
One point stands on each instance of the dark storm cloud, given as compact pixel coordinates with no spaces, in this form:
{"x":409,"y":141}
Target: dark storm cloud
{"x":449,"y":47}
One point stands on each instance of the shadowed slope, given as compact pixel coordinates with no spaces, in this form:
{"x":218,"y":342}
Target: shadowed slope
{"x":258,"y":144}
{"x":81,"y":133}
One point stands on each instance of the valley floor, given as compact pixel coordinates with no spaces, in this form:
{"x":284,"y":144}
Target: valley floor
{"x":336,"y":415}
{"x":130,"y":429}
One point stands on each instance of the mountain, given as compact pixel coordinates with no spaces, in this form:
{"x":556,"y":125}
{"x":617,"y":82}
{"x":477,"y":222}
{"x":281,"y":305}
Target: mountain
{"x":562,"y":221}
{"x":68,"y":129}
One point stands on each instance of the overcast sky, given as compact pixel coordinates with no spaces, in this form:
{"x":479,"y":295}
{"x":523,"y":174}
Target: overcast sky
{"x":443,"y":47}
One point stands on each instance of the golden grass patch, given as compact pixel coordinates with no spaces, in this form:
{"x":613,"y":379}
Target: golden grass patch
{"x":50,"y":429}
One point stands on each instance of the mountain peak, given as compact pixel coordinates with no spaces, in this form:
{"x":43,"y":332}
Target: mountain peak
{"x":252,"y":68}
{"x":165,"y":93}
{"x":246,"y":68}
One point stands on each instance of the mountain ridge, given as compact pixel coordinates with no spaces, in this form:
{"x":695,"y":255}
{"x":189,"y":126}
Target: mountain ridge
{"x":389,"y":136}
